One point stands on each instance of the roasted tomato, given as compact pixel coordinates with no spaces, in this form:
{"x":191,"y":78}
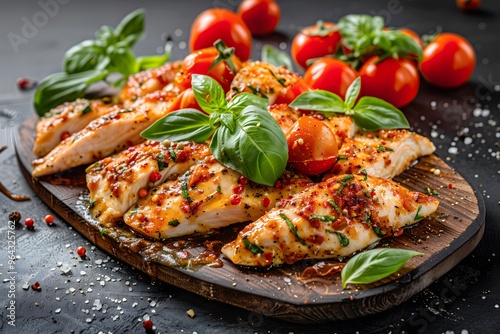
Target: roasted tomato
{"x":330,"y":74}
{"x":449,"y":61}
{"x":200,"y":61}
{"x":290,"y":93}
{"x":219,"y":23}
{"x":393,"y":80}
{"x":468,"y":5}
{"x":185,"y":100}
{"x":315,"y":42}
{"x":312,"y":147}
{"x":260,"y":16}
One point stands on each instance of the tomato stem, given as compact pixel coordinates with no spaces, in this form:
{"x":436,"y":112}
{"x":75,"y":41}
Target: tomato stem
{"x":225,"y":55}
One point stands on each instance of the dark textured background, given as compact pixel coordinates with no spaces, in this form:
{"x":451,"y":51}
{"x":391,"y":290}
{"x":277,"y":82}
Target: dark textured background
{"x":466,"y":300}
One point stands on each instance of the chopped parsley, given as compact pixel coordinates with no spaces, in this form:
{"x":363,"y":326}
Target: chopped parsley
{"x":334,"y":205}
{"x":172,"y":154}
{"x":365,"y":173}
{"x":323,"y":218}
{"x":382,"y":148}
{"x":251,"y":247}
{"x":161,"y":161}
{"x":417,"y":215}
{"x":173,"y":222}
{"x":344,"y":241}
{"x":378,"y":231}
{"x":292,"y":228}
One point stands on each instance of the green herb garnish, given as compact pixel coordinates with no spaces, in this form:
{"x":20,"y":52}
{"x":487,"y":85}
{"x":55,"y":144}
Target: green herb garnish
{"x":94,"y":60}
{"x":369,"y":113}
{"x":323,"y":218}
{"x":173,"y":222}
{"x":417,"y":215}
{"x":292,"y":228}
{"x":251,"y":247}
{"x":344,"y":241}
{"x":161,"y":161}
{"x":375,"y":264}
{"x":245,"y":137}
{"x":276,"y":57}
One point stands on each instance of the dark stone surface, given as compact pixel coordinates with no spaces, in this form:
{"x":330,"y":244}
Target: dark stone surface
{"x":465,"y":300}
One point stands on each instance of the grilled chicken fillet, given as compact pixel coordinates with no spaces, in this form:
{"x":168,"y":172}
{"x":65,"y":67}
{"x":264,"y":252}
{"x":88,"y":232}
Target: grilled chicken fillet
{"x":105,"y":135}
{"x":114,"y":182}
{"x":208,"y":196}
{"x":384,"y":153}
{"x":331,"y":219}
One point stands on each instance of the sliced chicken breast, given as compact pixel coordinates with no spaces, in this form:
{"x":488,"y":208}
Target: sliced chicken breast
{"x":115,"y":182}
{"x":384,"y":153}
{"x":331,"y":219}
{"x":208,"y":196}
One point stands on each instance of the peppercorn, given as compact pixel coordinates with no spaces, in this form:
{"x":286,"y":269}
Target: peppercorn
{"x":15,"y":216}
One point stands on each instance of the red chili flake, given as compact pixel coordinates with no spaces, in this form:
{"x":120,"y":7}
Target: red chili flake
{"x":49,"y":219}
{"x":29,"y":223}
{"x":372,"y":193}
{"x":235,"y":199}
{"x":64,"y":135}
{"x":36,"y":286}
{"x":398,"y":232}
{"x":155,"y":176}
{"x":239,"y":189}
{"x":143,"y":193}
{"x":266,"y":202}
{"x":25,"y":83}
{"x":268,"y":256}
{"x":117,"y":116}
{"x":129,"y":143}
{"x":277,"y":184}
{"x":243,"y":180}
{"x":450,"y":186}
{"x":148,"y":325}
{"x":81,"y":251}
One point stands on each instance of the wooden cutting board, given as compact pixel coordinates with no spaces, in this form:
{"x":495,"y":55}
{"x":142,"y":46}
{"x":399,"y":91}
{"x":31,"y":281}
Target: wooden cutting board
{"x":445,"y":239}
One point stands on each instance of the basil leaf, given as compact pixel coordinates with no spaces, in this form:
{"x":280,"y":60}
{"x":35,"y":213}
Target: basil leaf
{"x":131,"y":27}
{"x":147,"y":62}
{"x":227,"y":120}
{"x":61,"y":87}
{"x":240,"y":101}
{"x":251,"y":247}
{"x":319,"y":100}
{"x":82,"y":57}
{"x":356,"y":30}
{"x":106,"y":37}
{"x":122,"y":60}
{"x":181,"y":125}
{"x":375,"y":264}
{"x":372,"y":114}
{"x":276,"y":57}
{"x":257,"y":148}
{"x":352,"y":93}
{"x":208,"y":93}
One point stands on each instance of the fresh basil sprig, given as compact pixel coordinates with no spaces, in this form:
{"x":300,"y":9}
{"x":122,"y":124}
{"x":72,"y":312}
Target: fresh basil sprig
{"x":365,"y":35}
{"x":370,"y":113}
{"x":276,"y":57}
{"x":93,"y":60}
{"x":375,"y":264}
{"x":245,"y":137}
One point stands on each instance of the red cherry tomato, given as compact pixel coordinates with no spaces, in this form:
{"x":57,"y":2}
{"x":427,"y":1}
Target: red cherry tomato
{"x":200,"y":61}
{"x":312,"y":147}
{"x":330,"y":74}
{"x":393,"y":80}
{"x":185,"y":100}
{"x":290,"y":93}
{"x":449,"y":61}
{"x":219,"y":23}
{"x":315,"y":42}
{"x":260,"y":16}
{"x":468,"y":5}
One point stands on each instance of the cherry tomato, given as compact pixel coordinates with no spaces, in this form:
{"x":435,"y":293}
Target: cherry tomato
{"x":312,"y":147}
{"x":200,"y":61}
{"x":219,"y":23}
{"x":468,"y":5}
{"x":260,"y":16}
{"x":330,"y":74}
{"x":185,"y":100}
{"x":315,"y":42}
{"x":393,"y":80}
{"x":290,"y":93}
{"x":449,"y":61}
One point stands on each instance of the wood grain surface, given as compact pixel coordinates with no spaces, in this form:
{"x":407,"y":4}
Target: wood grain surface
{"x":445,"y":239}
